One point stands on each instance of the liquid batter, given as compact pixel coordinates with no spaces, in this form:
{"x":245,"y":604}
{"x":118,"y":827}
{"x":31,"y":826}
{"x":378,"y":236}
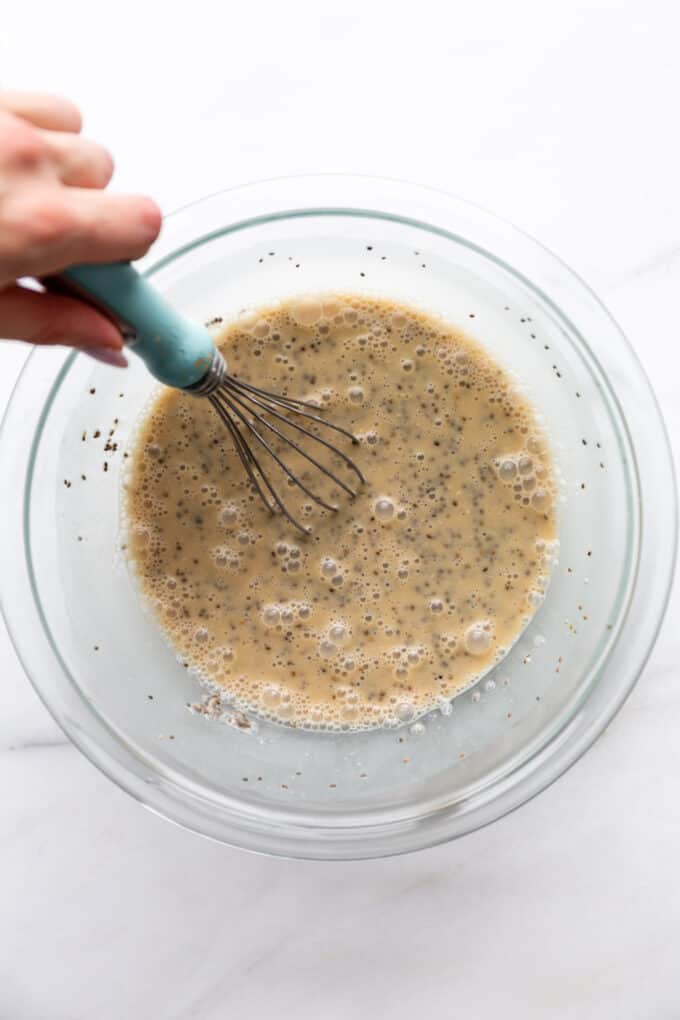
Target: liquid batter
{"x":405,"y":595}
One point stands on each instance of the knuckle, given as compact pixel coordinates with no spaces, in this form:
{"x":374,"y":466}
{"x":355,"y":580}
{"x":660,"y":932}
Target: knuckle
{"x":48,"y":222}
{"x":72,"y":117}
{"x":103,"y":163}
{"x":22,"y":144}
{"x":85,"y":163}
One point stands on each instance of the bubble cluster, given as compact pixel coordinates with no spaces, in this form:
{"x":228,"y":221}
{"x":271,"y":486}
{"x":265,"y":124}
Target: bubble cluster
{"x":405,"y":595}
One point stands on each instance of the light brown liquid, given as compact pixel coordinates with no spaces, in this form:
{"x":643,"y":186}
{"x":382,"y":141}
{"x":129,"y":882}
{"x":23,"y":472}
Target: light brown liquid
{"x":405,"y":595}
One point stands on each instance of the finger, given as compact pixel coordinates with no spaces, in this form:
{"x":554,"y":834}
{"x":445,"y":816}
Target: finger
{"x":42,"y":109}
{"x":110,"y":227}
{"x":61,"y":227}
{"x":48,"y":319}
{"x":79,"y":162}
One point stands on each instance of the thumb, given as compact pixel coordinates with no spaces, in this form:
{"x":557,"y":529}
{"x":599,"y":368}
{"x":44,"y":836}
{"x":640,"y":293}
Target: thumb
{"x":48,"y":319}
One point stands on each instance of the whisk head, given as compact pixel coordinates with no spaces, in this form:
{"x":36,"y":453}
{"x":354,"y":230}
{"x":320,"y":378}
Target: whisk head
{"x":259,"y":422}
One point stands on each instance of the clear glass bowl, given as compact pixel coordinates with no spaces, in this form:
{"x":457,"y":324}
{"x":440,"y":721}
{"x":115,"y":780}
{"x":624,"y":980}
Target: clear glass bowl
{"x":99,"y":663}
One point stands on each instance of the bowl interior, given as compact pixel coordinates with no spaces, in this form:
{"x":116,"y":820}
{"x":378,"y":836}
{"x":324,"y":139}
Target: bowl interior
{"x":111,"y":653}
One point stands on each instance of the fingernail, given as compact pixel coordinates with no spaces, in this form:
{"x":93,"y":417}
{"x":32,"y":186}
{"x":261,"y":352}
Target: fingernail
{"x":107,"y":355}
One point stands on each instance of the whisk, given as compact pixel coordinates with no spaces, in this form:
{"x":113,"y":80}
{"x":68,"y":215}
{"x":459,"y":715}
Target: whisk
{"x":182,"y":354}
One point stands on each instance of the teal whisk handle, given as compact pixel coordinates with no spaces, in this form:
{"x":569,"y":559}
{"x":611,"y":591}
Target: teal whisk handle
{"x":176,"y":351}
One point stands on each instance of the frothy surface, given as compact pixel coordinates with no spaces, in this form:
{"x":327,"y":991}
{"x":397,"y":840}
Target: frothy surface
{"x":404,"y":596}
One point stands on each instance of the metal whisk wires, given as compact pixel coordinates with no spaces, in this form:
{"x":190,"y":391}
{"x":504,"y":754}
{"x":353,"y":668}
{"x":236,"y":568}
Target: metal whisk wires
{"x":251,"y":416}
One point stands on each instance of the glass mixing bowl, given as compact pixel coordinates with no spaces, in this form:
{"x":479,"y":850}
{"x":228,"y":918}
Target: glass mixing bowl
{"x":100,"y":664}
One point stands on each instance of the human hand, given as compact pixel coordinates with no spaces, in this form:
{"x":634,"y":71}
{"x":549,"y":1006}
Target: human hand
{"x":54,"y":213}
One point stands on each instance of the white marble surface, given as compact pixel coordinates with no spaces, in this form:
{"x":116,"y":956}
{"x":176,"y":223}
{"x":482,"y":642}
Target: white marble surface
{"x":563,"y":117}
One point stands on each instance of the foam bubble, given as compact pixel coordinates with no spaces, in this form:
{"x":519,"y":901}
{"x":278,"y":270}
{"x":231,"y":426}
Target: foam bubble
{"x":261,"y":328}
{"x":384,"y":508}
{"x":271,"y":616}
{"x":271,"y":695}
{"x":405,"y":711}
{"x":338,"y":633}
{"x":247,"y":319}
{"x":507,"y":469}
{"x":306,"y":311}
{"x":329,"y":567}
{"x":478,"y":637}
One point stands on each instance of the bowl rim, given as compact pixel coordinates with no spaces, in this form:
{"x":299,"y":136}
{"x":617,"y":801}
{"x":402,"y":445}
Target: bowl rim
{"x":517,"y":785}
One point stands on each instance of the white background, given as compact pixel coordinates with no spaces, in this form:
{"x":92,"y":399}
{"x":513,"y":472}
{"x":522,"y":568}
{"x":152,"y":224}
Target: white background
{"x":564,"y":118}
